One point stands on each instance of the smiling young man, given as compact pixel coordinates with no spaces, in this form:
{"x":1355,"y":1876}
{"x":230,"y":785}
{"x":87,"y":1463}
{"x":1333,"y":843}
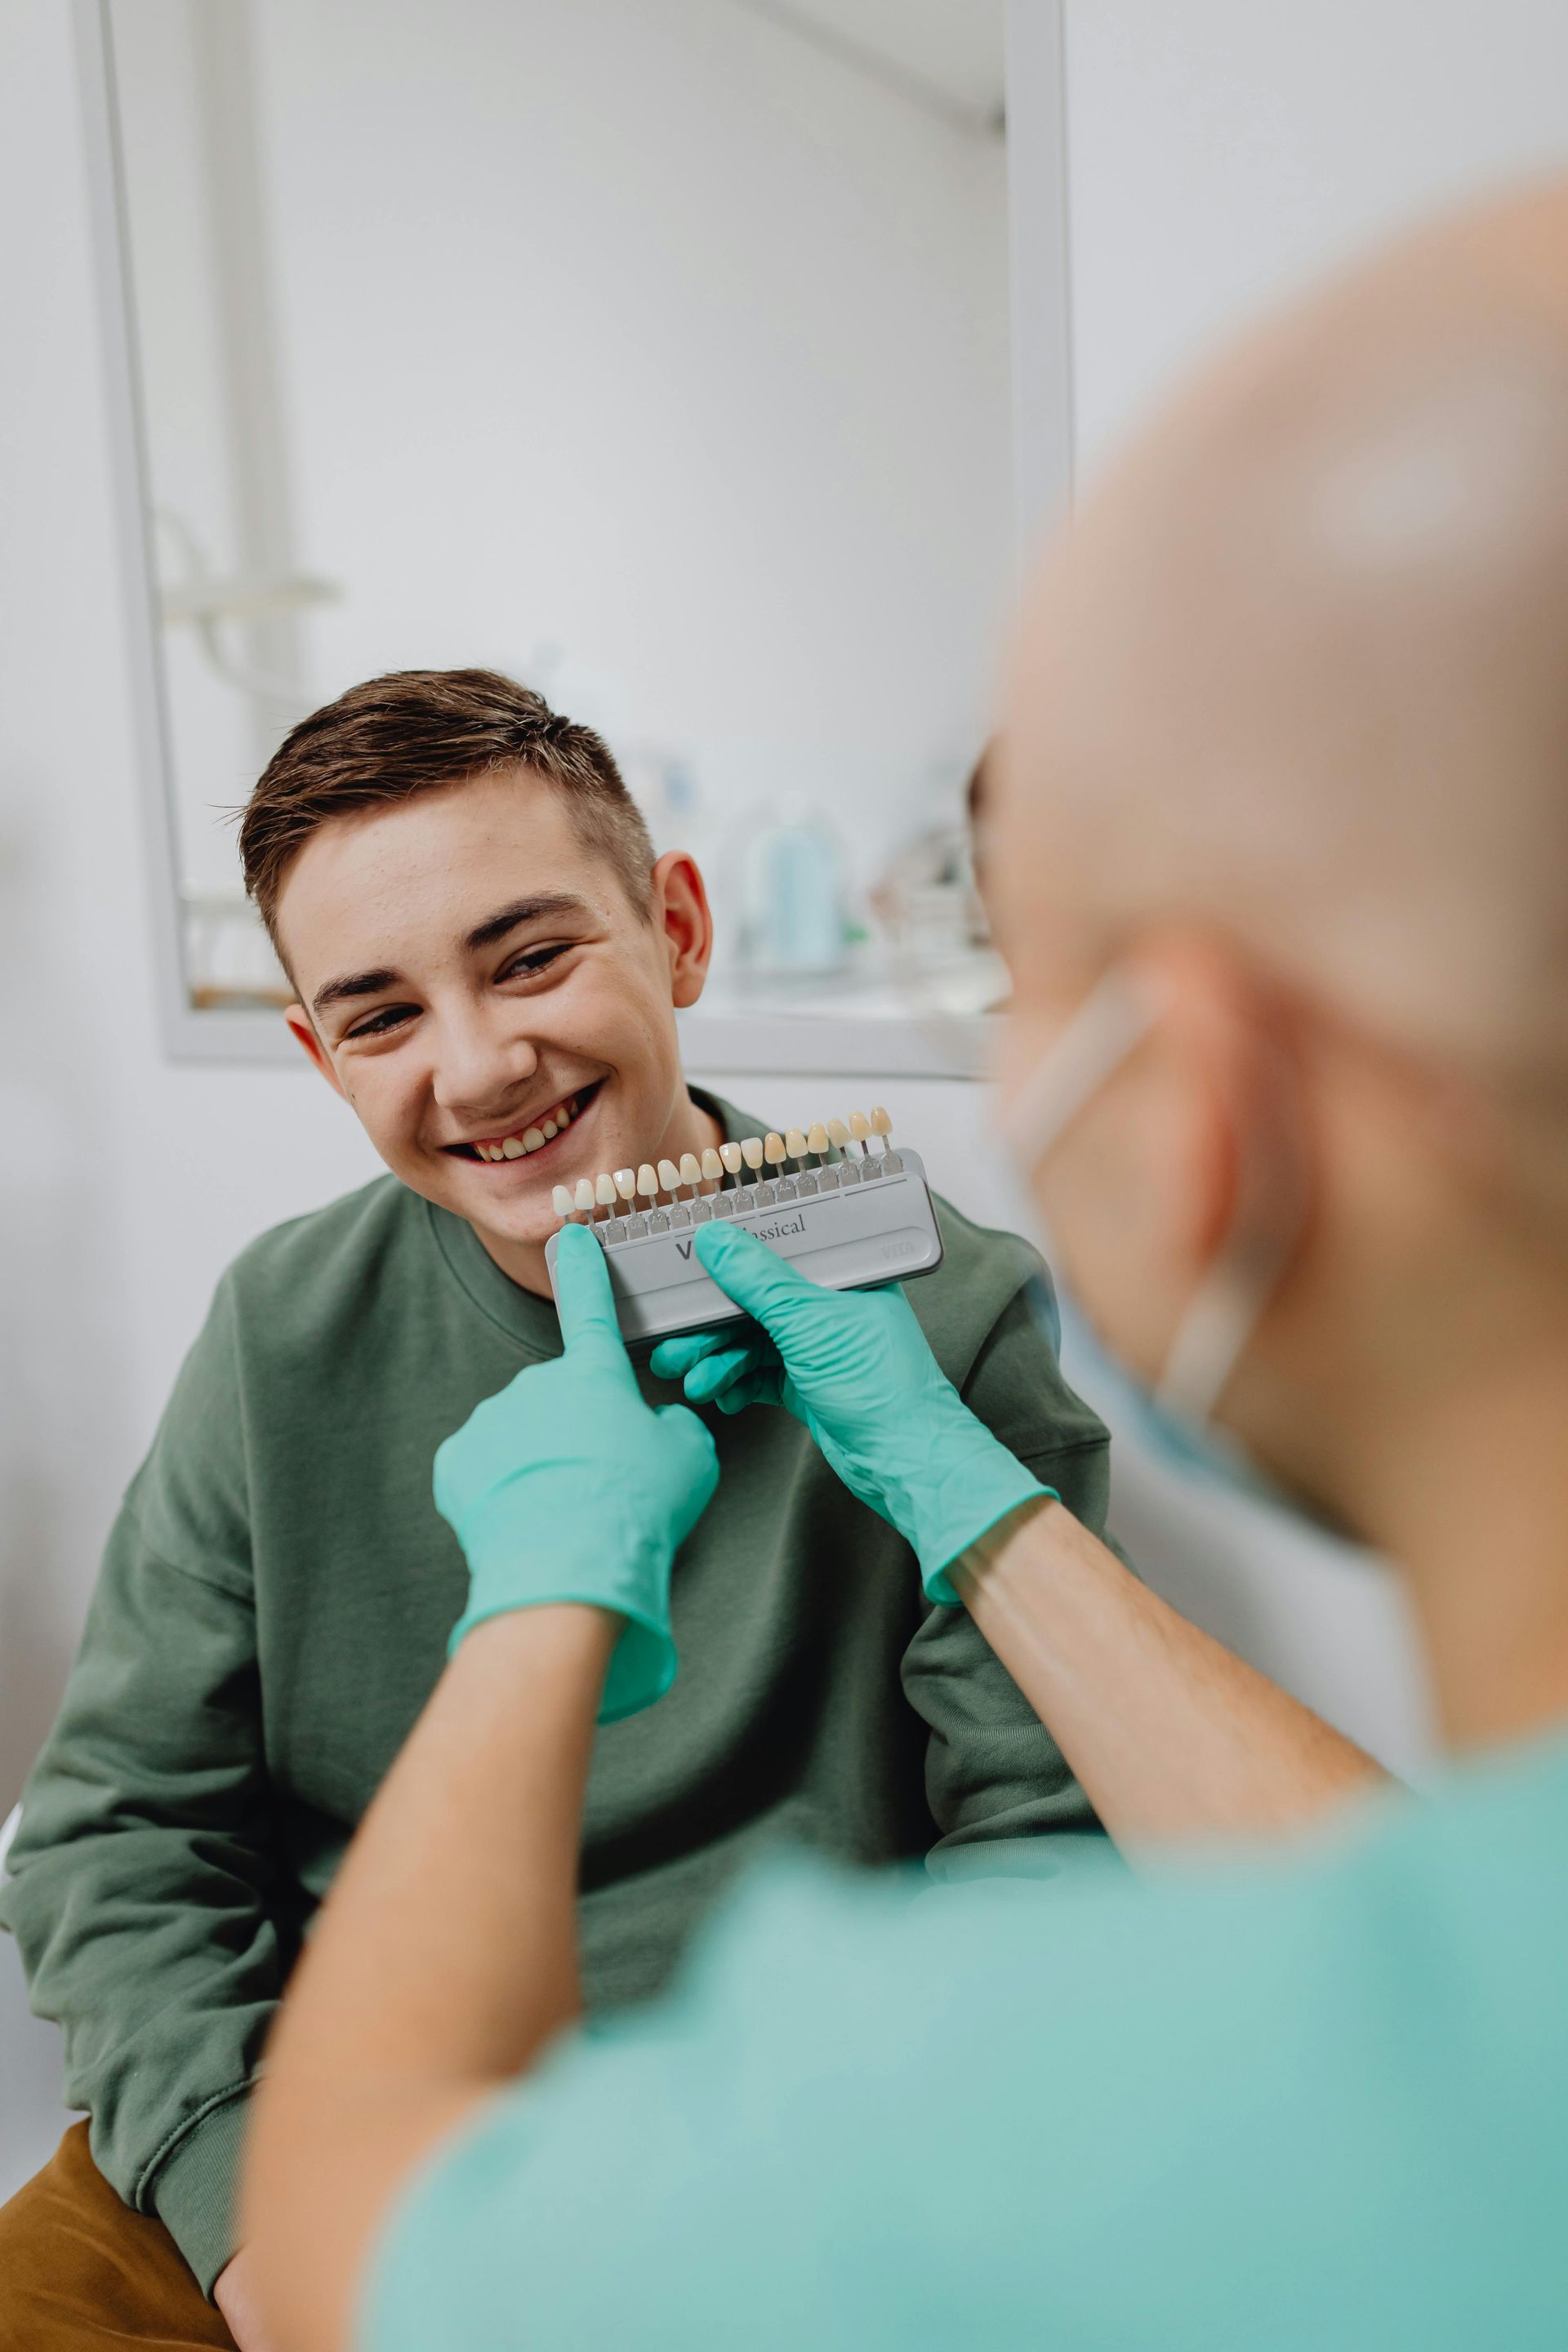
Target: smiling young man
{"x":489,"y":960}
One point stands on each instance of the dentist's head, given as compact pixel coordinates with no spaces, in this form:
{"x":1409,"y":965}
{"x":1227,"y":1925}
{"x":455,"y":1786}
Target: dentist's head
{"x":1280,"y":849}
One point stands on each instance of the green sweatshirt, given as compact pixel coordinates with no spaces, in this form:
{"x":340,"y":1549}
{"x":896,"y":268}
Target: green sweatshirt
{"x":273,"y":1611}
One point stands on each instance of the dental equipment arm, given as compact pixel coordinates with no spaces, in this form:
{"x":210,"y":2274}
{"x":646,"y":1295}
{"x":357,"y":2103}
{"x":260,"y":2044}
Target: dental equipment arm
{"x":445,"y":1957}
{"x":1171,"y":1735}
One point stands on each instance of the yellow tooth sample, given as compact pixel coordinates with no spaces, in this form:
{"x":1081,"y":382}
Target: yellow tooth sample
{"x":729,"y":1157}
{"x":561,"y":1201}
{"x":859,"y":1126}
{"x":627,"y":1183}
{"x":837,"y":1132}
{"x":691,"y":1168}
{"x":668,"y":1175}
{"x":795,"y":1143}
{"x":584,"y":1199}
{"x":751,"y":1150}
{"x":713,"y":1167}
{"x":773,"y":1145}
{"x":604,"y":1191}
{"x":880,"y":1123}
{"x":647,"y":1183}
{"x":817,"y":1139}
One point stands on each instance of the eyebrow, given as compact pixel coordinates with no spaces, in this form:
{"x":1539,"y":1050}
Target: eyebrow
{"x":535,"y":910}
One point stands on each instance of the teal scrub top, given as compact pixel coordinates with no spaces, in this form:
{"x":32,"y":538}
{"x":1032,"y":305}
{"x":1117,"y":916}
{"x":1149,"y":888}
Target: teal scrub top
{"x":1315,"y":2104}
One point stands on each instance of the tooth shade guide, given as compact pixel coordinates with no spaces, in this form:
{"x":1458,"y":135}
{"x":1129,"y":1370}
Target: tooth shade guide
{"x":626,"y":1184}
{"x":751,"y":1150}
{"x":774,"y":1150}
{"x":851,"y":1226}
{"x":690,"y":1170}
{"x":729,"y":1157}
{"x":604,"y":1191}
{"x":712,"y":1167}
{"x":561,"y":1202}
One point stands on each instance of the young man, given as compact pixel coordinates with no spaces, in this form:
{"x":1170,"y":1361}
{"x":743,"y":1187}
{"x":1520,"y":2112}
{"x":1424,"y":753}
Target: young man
{"x":489,"y":960}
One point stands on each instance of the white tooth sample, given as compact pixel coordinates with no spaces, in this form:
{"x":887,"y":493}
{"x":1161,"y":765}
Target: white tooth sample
{"x":584,"y":1199}
{"x":751,"y":1150}
{"x":816,"y":1140}
{"x":561,"y":1201}
{"x":795,"y":1143}
{"x":511,"y":1148}
{"x":627,"y":1183}
{"x":532,"y":1139}
{"x":880,"y":1123}
{"x":647,"y":1183}
{"x":668,"y":1175}
{"x":712,"y":1166}
{"x":773,"y":1146}
{"x":837,"y":1132}
{"x":729,"y":1157}
{"x":549,"y":1130}
{"x":691,"y":1168}
{"x":859,"y":1126}
{"x":604,"y":1191}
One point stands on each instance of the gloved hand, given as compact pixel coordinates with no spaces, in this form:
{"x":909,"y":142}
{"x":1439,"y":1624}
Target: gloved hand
{"x":855,"y":1368}
{"x":566,"y":1486}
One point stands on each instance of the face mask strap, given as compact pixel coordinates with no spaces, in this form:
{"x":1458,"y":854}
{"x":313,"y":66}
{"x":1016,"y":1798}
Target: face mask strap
{"x":1115,"y":1016}
{"x":1113,"y":1020}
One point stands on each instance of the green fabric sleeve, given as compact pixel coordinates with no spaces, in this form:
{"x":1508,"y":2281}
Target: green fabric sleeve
{"x":140,"y":1874}
{"x":993,"y":1772}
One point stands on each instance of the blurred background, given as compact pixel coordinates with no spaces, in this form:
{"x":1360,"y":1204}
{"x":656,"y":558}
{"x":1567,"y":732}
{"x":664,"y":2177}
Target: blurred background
{"x":709,"y":364}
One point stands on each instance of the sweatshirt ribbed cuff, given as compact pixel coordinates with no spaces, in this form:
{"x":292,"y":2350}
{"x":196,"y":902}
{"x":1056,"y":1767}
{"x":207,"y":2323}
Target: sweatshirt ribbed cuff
{"x":193,"y":2190}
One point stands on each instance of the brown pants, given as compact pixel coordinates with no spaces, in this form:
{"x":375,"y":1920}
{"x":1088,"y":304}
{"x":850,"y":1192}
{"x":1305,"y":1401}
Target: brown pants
{"x":79,"y":2271}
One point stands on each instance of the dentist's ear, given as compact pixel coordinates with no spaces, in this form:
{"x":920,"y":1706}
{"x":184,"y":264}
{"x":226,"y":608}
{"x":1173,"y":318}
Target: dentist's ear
{"x":300,"y":1028}
{"x":1240,"y":1125}
{"x":680,"y":915}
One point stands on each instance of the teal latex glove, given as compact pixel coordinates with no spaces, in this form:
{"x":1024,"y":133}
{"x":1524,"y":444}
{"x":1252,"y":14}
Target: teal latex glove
{"x":857,"y":1368}
{"x":566,"y":1486}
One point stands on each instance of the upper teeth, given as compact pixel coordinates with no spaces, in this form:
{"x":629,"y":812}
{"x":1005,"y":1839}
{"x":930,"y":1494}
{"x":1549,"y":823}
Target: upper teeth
{"x":533,"y":1139}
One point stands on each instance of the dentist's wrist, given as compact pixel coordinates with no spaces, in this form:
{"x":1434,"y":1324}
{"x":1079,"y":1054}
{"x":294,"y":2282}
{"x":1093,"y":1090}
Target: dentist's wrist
{"x":963,"y":1483}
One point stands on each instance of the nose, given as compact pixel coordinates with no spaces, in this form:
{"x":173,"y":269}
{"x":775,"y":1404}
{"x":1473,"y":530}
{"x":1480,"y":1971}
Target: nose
{"x":481,"y":1060}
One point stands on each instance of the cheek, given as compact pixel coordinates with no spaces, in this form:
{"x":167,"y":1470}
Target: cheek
{"x":1114,"y":1195}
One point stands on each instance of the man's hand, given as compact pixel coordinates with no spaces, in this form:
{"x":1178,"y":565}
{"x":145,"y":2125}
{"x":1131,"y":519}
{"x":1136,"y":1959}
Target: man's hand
{"x":234,"y":2297}
{"x":567,"y":1487}
{"x":857,"y":1368}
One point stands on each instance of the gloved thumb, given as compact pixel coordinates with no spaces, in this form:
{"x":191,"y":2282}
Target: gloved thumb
{"x":746,"y":1270}
{"x":586,"y":1303}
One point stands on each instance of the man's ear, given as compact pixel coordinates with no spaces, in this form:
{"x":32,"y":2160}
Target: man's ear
{"x":681,"y":913}
{"x":1242,"y":1143}
{"x":298,"y":1022}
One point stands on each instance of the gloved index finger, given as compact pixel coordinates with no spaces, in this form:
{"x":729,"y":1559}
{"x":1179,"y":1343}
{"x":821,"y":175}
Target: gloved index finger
{"x":585,"y":1300}
{"x":749,"y":1273}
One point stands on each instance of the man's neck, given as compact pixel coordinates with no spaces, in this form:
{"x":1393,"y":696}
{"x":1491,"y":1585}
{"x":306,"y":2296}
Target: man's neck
{"x":691,"y":1128}
{"x":1468,"y":1490}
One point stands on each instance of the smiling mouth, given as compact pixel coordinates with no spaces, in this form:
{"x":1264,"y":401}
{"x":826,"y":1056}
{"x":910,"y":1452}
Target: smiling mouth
{"x":539,"y":1135}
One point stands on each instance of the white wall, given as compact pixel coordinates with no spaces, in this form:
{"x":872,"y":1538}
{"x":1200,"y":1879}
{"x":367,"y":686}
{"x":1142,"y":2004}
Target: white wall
{"x":1223,"y":152}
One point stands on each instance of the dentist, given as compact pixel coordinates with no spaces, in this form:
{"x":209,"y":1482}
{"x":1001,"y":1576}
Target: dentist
{"x":1281,"y":817}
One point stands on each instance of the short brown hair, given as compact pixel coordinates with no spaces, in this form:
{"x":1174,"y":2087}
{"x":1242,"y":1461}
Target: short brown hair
{"x":415,"y":731}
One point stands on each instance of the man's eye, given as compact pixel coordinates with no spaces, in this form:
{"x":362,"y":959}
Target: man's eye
{"x":531,"y":960}
{"x":380,"y":1023}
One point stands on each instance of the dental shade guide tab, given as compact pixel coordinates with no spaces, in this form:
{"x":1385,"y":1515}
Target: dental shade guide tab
{"x":864,"y":1220}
